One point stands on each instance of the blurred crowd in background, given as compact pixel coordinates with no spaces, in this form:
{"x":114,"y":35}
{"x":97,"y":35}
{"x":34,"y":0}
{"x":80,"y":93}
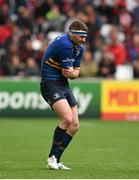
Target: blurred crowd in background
{"x":112,"y":49}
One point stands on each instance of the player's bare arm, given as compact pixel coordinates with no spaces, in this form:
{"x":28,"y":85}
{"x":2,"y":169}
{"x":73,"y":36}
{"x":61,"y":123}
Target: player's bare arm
{"x":71,"y":72}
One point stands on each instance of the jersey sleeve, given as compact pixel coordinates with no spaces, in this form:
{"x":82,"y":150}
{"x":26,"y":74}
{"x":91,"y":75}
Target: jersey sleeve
{"x":65,"y":56}
{"x":78,"y":60}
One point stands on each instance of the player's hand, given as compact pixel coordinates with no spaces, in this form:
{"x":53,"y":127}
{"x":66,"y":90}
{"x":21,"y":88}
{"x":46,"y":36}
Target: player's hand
{"x":69,"y":73}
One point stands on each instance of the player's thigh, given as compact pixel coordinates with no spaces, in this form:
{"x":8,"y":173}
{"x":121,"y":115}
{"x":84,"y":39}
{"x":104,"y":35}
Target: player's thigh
{"x":63,"y":109}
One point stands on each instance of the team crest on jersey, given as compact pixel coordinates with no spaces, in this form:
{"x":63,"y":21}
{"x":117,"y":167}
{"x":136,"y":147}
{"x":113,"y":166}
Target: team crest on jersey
{"x":77,"y":52}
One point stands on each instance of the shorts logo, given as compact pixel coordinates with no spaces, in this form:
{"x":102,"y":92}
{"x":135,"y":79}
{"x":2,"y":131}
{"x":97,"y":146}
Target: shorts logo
{"x":56,"y":96}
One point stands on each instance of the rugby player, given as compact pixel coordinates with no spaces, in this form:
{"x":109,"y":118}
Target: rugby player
{"x":61,"y":61}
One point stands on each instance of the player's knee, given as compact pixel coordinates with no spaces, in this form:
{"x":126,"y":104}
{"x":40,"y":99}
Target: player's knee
{"x":67,"y":120}
{"x":75,"y":127}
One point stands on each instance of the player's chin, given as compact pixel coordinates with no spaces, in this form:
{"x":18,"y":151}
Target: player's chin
{"x":78,"y":43}
{"x":81,"y":43}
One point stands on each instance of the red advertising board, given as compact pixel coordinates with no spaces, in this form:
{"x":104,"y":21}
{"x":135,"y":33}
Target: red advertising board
{"x":120,"y":100}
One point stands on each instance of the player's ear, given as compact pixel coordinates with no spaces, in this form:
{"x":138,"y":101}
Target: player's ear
{"x":69,"y":33}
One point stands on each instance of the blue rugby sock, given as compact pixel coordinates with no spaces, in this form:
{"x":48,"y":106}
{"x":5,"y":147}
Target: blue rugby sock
{"x":57,"y":140}
{"x":65,"y":142}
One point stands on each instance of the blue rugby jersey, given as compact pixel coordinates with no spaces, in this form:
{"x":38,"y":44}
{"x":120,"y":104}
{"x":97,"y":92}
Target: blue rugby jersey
{"x":61,"y":53}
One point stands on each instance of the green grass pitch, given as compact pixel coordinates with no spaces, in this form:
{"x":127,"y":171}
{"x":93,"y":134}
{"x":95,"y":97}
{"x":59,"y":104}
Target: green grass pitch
{"x":99,"y":150}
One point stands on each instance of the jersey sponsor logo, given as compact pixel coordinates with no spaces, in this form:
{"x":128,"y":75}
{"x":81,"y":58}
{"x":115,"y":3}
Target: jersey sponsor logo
{"x":68,"y":60}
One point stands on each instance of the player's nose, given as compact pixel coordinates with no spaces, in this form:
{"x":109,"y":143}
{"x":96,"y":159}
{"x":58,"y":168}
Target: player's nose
{"x":83,"y":39}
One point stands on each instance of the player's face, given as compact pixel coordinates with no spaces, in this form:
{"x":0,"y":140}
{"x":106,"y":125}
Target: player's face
{"x":78,"y":40}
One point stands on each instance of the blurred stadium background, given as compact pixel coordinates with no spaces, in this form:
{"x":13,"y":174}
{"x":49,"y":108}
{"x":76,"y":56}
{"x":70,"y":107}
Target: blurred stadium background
{"x":107,"y":90}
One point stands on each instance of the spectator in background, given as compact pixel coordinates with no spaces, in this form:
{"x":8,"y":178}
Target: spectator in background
{"x":135,"y":13}
{"x":79,"y":5}
{"x":71,"y":16}
{"x":4,"y":13}
{"x":117,"y":48}
{"x":15,"y":37}
{"x":89,"y":66}
{"x":43,"y":8}
{"x":100,"y":47}
{"x":125,"y":20}
{"x":133,"y":49}
{"x":105,"y":11}
{"x":94,"y":24}
{"x":25,"y":19}
{"x":136,"y":67}
{"x":5,"y":24}
{"x":39,"y":44}
{"x":27,"y":51}
{"x":32,"y":68}
{"x":26,"y":35}
{"x":116,"y":11}
{"x":107,"y":68}
{"x":55,"y":19}
{"x":5,"y":34}
{"x":16,"y":68}
{"x":3,"y":66}
{"x":65,"y":6}
{"x":12,"y":54}
{"x":32,"y":5}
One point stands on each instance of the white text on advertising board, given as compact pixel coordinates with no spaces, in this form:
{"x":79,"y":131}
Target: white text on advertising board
{"x":33,"y":100}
